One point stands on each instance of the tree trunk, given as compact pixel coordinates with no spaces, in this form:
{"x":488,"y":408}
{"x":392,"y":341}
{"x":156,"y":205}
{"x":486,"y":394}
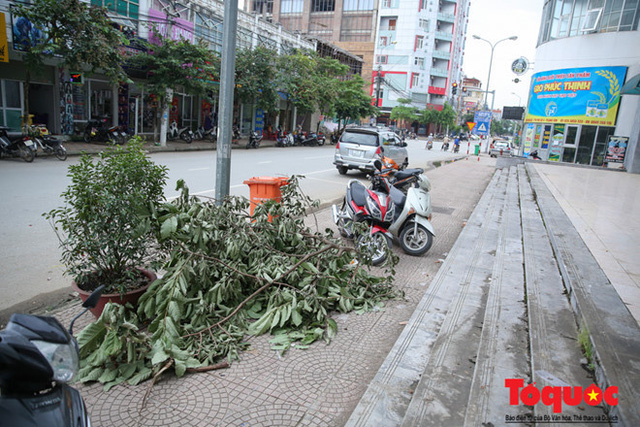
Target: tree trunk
{"x":27,"y":84}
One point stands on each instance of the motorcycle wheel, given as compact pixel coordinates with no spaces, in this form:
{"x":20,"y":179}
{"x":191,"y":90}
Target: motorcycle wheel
{"x":248,"y":145}
{"x":27,"y":154}
{"x":415,"y":242}
{"x":61,"y":153}
{"x":186,"y":138}
{"x":320,"y":141}
{"x":86,"y":137}
{"x":111,"y":139}
{"x":375,"y":246}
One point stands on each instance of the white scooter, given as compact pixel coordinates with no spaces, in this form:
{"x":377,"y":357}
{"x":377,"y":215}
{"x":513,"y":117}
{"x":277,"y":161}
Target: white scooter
{"x":411,"y":213}
{"x":411,"y":225}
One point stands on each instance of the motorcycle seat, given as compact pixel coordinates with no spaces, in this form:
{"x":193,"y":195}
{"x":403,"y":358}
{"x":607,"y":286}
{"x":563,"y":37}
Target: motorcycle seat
{"x":400,"y":175}
{"x":398,"y":198}
{"x":357,"y":193}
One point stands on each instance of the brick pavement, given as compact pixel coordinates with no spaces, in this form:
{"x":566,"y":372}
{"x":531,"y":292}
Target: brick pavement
{"x":319,"y":386}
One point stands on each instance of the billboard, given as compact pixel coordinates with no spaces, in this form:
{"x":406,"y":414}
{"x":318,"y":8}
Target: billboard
{"x":589,"y":95}
{"x":180,"y":28}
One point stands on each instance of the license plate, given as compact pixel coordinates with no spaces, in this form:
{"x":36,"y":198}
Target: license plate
{"x":356,"y":153}
{"x":28,"y":143}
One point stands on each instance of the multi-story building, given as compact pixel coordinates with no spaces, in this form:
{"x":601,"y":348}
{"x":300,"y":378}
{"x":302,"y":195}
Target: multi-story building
{"x":578,"y":108}
{"x":349,"y":24}
{"x":62,"y":105}
{"x":419,"y":52}
{"x":472,"y":95}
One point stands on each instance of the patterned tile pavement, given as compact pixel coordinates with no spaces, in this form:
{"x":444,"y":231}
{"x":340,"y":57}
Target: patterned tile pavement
{"x":319,"y":386}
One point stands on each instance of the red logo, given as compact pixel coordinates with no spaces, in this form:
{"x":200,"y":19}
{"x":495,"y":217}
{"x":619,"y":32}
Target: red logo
{"x":572,"y":396}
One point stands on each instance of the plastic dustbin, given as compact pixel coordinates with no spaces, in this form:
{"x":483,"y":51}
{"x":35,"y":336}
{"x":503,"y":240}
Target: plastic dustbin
{"x":477,"y":150}
{"x":265,"y":188}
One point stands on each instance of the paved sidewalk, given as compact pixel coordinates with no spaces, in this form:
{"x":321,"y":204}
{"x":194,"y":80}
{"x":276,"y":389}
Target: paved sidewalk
{"x":319,"y":386}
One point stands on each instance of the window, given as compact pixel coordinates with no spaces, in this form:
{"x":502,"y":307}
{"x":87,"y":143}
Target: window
{"x":415,"y":79}
{"x":423,"y":4}
{"x":591,"y":21}
{"x":209,"y":30}
{"x":263,"y":6}
{"x":419,"y":42}
{"x":291,"y":6}
{"x":386,"y":4}
{"x":128,"y":8}
{"x":351,"y":5}
{"x":392,"y":24}
{"x":382,"y":59}
{"x":424,"y":24}
{"x":323,"y":6}
{"x":383,"y":41}
{"x":419,"y":62}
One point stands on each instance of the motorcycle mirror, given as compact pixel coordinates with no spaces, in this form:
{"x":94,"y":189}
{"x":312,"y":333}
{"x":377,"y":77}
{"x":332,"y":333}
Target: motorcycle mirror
{"x":377,"y":164}
{"x":92,"y":301}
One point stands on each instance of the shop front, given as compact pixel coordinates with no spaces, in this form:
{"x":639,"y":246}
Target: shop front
{"x":572,"y":116}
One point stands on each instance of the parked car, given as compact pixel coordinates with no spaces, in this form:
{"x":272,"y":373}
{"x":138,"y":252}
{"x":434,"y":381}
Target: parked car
{"x":500,"y":147}
{"x":359,"y":147}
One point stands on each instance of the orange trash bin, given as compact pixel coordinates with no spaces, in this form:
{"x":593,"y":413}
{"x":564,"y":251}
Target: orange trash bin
{"x":263,"y":188}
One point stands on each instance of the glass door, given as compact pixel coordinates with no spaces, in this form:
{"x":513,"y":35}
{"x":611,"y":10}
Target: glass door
{"x":569,"y":147}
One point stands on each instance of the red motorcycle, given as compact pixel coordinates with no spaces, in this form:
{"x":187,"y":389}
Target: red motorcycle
{"x":375,"y":209}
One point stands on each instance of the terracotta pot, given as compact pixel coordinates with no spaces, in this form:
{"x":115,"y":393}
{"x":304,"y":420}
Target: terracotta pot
{"x":131,"y":296}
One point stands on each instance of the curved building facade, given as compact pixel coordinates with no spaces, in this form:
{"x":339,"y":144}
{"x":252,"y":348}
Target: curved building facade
{"x":577,"y":109}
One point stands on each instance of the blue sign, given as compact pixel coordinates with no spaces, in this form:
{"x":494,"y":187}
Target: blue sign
{"x":483,"y":122}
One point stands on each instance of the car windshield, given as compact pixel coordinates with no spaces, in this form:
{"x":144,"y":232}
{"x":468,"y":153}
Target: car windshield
{"x":360,"y":138}
{"x":502,"y":145}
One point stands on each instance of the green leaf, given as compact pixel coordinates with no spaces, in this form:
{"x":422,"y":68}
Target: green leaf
{"x":159,"y":356}
{"x":180,"y":367}
{"x":296,"y":318}
{"x":144,"y":374}
{"x":168,"y":227}
{"x":91,"y":337}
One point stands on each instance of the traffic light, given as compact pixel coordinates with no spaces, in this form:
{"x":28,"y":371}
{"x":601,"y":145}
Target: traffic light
{"x":454,"y":88}
{"x":464,"y":89}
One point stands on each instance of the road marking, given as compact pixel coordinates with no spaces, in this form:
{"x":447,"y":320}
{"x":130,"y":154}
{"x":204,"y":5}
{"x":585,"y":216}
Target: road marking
{"x":198,"y":169}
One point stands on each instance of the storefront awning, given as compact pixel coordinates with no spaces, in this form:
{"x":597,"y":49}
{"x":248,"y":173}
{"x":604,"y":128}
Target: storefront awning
{"x":632,"y":86}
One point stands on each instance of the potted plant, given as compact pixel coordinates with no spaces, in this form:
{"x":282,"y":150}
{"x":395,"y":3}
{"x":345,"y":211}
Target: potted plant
{"x":104,"y":227}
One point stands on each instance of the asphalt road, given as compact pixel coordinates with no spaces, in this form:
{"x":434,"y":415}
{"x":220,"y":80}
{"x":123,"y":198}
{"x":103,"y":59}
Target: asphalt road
{"x":29,"y":253}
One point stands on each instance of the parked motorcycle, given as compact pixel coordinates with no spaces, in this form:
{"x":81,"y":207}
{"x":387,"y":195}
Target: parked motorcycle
{"x":534,"y":155}
{"x":254,"y":140}
{"x":284,"y":139}
{"x":21,"y":146}
{"x":205,"y":134}
{"x":388,"y":212}
{"x":47,"y":143}
{"x":98,"y":130}
{"x":401,"y":179}
{"x":307,"y":139}
{"x":321,"y":138}
{"x":185,"y":134}
{"x":38,"y":357}
{"x":335,"y":137}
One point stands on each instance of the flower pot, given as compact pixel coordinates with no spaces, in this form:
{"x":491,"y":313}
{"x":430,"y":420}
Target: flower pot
{"x":129,"y":297}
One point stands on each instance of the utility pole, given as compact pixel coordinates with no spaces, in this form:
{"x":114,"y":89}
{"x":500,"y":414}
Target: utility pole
{"x":378,"y":82}
{"x":225,"y":113}
{"x":168,"y":97}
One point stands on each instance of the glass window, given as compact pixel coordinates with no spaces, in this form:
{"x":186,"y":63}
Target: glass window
{"x":323,"y":6}
{"x":415,"y":79}
{"x":392,"y":24}
{"x":128,"y":8}
{"x":262,"y":6}
{"x":12,"y":94}
{"x":360,"y":5}
{"x":360,"y":138}
{"x":585,"y":148}
{"x":601,"y":145}
{"x":424,"y":24}
{"x":419,"y":42}
{"x":419,"y":62}
{"x":291,"y":6}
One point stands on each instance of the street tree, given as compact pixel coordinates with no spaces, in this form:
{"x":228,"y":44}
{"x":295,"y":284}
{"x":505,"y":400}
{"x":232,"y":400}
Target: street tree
{"x":76,"y":34}
{"x":428,"y":116}
{"x":296,"y":79}
{"x":329,"y":75}
{"x":255,"y":78}
{"x":404,"y":112}
{"x":447,"y":116}
{"x":353,"y":102}
{"x":176,"y":63}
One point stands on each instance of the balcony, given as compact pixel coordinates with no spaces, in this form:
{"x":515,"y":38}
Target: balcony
{"x":440,"y":35}
{"x":447,"y":17}
{"x":442,"y":54}
{"x":439,"y":72}
{"x":435,"y":90}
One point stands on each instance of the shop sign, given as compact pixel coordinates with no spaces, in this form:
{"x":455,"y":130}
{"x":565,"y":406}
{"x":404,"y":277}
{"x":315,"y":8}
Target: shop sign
{"x":589,"y":95}
{"x":4,"y":47}
{"x":556,"y":143}
{"x":180,"y":29}
{"x":616,"y":149}
{"x":520,"y":66}
{"x":528,"y":138}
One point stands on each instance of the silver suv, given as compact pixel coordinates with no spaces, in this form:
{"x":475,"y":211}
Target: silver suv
{"x":359,"y":147}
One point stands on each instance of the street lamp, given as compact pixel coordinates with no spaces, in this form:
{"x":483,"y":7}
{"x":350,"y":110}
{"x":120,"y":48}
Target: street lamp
{"x":519,"y":98}
{"x":493,"y":45}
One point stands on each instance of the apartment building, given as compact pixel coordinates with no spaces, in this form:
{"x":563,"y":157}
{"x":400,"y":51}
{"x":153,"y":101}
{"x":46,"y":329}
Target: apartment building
{"x":419,"y":52}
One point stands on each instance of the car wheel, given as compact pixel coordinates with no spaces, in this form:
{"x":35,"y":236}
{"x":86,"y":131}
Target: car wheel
{"x":342,"y":170}
{"x":415,"y":239}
